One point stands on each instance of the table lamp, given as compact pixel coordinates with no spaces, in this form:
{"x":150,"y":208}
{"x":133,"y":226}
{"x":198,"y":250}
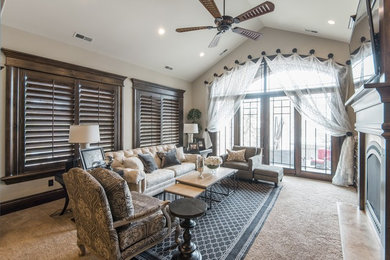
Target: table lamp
{"x":84,"y":135}
{"x":190,"y":129}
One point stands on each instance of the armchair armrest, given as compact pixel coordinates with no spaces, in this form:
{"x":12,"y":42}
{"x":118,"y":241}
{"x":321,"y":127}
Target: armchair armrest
{"x":150,"y":210}
{"x":255,"y":161}
{"x":192,"y":157}
{"x":224,"y":157}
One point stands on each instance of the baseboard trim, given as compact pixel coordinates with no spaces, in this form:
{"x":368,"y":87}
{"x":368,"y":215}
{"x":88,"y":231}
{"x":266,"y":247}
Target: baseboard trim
{"x":30,"y":201}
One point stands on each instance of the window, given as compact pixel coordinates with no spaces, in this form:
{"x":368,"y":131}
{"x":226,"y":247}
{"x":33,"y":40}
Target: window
{"x":281,"y":132}
{"x":47,"y":97}
{"x":158,"y":114}
{"x":250,"y":122}
{"x":268,"y":119}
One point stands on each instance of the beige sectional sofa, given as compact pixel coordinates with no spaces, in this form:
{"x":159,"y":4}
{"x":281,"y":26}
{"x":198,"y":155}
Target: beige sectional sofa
{"x":155,"y":182}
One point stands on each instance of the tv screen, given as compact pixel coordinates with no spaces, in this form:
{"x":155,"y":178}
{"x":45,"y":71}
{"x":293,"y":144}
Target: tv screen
{"x":362,"y":45}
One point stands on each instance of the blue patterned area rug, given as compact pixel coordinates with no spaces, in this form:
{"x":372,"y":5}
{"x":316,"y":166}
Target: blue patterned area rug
{"x":227,"y":230}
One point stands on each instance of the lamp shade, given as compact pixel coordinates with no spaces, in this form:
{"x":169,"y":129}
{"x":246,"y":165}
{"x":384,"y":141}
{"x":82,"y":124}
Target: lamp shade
{"x":83,"y":134}
{"x":190,"y":128}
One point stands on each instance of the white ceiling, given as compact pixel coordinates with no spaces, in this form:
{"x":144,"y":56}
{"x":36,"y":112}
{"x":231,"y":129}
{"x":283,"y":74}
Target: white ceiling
{"x":127,"y":29}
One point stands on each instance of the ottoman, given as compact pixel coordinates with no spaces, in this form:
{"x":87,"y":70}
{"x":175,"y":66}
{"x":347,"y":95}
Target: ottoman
{"x":268,"y":173}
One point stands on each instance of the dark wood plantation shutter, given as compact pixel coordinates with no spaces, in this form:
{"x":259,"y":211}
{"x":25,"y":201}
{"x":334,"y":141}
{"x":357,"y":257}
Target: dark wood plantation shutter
{"x":45,"y":97}
{"x":98,"y":105}
{"x":158,"y":114}
{"x":48,"y":113}
{"x":149,"y":120}
{"x":170,"y":120}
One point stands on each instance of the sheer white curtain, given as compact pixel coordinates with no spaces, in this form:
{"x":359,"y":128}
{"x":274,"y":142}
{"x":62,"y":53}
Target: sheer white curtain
{"x":315,"y":88}
{"x":226,"y":94}
{"x":363,"y":64}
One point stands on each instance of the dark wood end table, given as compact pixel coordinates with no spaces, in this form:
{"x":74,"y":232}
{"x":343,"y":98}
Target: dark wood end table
{"x":187,"y":209}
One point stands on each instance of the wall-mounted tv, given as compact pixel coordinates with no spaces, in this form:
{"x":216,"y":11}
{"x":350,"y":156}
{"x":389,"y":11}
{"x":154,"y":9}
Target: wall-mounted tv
{"x":364,"y":43}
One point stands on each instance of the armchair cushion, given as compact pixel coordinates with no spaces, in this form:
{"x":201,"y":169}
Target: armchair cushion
{"x":249,"y":151}
{"x":238,"y":155}
{"x":148,"y":161}
{"x":145,"y":227}
{"x":237,"y":165}
{"x":117,"y":191}
{"x":130,"y":234}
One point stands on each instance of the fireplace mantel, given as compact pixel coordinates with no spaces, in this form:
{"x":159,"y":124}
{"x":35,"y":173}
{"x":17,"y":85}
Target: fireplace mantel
{"x":371,"y":104}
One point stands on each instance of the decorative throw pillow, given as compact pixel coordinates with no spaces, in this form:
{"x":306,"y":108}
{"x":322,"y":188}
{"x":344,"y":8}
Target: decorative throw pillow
{"x":180,"y":154}
{"x":157,"y":159}
{"x":169,"y":158}
{"x":133,"y":162}
{"x":238,"y":156}
{"x":117,"y":191}
{"x":148,"y":161}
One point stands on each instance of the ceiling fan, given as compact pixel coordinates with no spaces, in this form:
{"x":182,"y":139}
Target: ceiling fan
{"x":224,"y":22}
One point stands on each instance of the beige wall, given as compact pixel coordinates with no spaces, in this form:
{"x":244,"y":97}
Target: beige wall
{"x":272,"y":39}
{"x":33,"y":44}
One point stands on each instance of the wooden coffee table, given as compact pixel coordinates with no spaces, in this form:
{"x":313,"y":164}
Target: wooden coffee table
{"x":209,"y":179}
{"x":184,"y":190}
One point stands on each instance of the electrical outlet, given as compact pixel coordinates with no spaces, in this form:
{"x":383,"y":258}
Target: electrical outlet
{"x":50,"y":183}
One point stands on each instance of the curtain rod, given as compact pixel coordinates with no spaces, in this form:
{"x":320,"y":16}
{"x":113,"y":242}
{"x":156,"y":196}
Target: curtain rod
{"x":263,"y":53}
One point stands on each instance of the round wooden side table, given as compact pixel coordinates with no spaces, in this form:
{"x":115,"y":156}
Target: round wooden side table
{"x":187,"y":209}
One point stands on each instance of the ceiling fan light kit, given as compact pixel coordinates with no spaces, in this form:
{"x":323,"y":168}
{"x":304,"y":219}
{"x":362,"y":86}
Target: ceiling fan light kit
{"x":224,"y":22}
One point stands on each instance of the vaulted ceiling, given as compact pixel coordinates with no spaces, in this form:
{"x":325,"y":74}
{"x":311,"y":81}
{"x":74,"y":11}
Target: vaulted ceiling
{"x":128,"y":29}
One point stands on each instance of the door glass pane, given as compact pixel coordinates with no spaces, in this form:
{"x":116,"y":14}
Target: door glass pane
{"x":250,"y":122}
{"x":316,"y":148}
{"x":226,"y":138}
{"x":316,"y":141}
{"x":281,"y":132}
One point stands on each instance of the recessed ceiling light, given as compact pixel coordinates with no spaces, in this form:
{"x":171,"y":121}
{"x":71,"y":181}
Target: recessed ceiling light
{"x":331,"y":22}
{"x":161,"y":31}
{"x":201,"y":54}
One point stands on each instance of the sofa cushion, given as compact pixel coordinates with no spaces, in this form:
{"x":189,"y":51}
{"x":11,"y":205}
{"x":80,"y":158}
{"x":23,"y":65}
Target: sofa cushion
{"x":158,"y":176}
{"x":148,"y":161}
{"x":133,"y":163}
{"x":168,"y":159}
{"x":237,"y":165}
{"x":249,"y":151}
{"x":180,"y":154}
{"x":117,"y":192}
{"x":182,"y":168}
{"x":237,"y":156}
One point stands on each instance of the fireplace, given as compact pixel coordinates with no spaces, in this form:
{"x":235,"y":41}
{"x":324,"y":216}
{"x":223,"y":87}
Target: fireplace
{"x":374,"y":177}
{"x":372,"y":106}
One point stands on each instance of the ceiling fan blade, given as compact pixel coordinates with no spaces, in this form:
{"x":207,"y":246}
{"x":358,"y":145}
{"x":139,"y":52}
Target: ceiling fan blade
{"x":261,"y":9}
{"x":247,"y":33}
{"x":215,"y":40}
{"x":188,"y":29}
{"x":211,"y":7}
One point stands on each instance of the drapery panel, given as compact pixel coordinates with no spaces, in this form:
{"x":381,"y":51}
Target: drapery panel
{"x":315,"y":88}
{"x":226,"y":94}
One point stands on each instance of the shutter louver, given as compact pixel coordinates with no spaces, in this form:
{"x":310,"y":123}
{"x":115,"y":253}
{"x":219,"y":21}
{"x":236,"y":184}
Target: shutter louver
{"x":97,"y":106}
{"x":48,"y":113}
{"x":150,"y":120}
{"x":170,"y":121}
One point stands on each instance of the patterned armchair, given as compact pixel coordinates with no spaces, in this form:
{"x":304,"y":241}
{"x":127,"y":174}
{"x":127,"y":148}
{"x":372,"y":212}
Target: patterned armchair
{"x":98,"y":212}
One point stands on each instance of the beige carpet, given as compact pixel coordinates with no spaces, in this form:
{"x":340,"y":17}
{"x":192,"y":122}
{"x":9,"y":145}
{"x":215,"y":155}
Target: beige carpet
{"x":302,"y":225}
